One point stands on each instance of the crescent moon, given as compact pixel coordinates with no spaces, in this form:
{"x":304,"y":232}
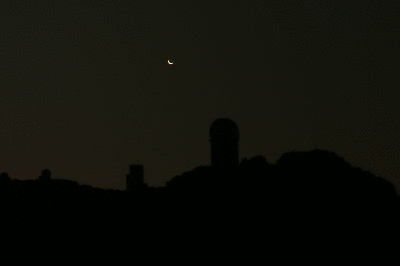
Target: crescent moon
{"x":170,"y":63}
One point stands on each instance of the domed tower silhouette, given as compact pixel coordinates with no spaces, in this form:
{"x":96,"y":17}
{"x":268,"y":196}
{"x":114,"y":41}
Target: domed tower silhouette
{"x":224,"y":139}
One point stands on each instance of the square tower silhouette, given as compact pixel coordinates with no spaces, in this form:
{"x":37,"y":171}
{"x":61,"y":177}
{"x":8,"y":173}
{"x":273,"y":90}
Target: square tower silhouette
{"x":135,"y":178}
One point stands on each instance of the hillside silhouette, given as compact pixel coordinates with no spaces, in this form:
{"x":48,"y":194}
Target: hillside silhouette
{"x":228,"y":211}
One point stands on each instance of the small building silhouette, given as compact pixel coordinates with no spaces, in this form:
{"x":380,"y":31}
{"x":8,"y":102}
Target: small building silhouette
{"x":4,"y":176}
{"x":224,"y":140}
{"x":135,"y":178}
{"x":46,"y":175}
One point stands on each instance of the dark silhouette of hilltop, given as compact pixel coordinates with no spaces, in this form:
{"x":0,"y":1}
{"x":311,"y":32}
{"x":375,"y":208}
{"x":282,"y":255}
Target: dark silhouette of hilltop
{"x":308,"y":200}
{"x":235,"y":205}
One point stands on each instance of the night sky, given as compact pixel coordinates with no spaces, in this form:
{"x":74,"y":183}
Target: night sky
{"x":86,"y":90}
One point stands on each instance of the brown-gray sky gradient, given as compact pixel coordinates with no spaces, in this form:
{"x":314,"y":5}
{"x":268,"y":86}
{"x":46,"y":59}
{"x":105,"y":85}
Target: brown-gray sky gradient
{"x":86,"y":90}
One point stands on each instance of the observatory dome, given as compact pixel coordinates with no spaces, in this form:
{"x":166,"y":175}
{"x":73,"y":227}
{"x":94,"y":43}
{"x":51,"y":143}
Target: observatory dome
{"x":224,"y":128}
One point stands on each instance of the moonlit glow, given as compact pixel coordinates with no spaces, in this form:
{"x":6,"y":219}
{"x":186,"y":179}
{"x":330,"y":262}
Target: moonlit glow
{"x":170,"y":62}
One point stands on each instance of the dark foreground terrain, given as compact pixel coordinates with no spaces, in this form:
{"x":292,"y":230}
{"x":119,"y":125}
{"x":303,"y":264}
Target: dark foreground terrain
{"x":309,"y":206}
